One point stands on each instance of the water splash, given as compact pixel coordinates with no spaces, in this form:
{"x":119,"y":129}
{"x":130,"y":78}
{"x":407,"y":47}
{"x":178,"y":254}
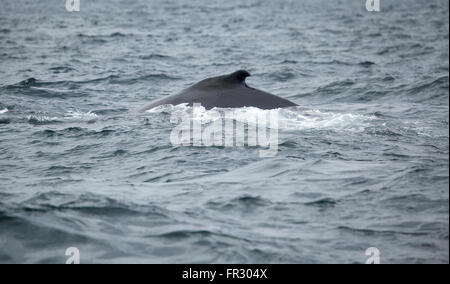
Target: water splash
{"x":40,"y":119}
{"x":79,"y":115}
{"x":288,"y":119}
{"x":322,"y":120}
{"x":72,"y":115}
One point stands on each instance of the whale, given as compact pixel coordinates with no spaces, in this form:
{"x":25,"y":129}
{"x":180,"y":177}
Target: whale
{"x":227,"y":91}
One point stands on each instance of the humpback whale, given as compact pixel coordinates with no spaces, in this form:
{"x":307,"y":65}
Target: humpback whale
{"x":228,"y":91}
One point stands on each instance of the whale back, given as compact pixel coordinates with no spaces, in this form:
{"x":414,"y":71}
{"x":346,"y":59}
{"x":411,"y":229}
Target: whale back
{"x":228,"y":91}
{"x":227,"y":81}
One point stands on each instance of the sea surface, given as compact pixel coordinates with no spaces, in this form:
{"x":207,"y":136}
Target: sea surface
{"x":362,"y":162}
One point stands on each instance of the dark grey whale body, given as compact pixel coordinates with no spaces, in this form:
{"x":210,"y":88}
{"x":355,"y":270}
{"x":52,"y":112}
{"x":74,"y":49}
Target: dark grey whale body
{"x":229,"y":91}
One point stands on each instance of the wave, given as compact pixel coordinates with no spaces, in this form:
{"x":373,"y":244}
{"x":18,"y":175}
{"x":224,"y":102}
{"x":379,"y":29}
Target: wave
{"x":144,"y":78}
{"x":81,"y":116}
{"x":4,"y":120}
{"x":155,"y":56}
{"x":86,"y":203}
{"x":74,"y":132}
{"x":378,"y":232}
{"x":323,"y":203}
{"x":429,"y":90}
{"x":39,"y":120}
{"x":61,"y":69}
{"x":66,"y":88}
{"x":366,"y":63}
{"x":104,"y":36}
{"x":245,"y":202}
{"x":31,"y":83}
{"x":48,"y":90}
{"x":71,"y":115}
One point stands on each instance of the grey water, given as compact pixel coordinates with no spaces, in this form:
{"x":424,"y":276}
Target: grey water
{"x":362,"y":162}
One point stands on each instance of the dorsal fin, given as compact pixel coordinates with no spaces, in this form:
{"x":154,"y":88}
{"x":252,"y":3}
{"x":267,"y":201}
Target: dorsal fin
{"x":238,"y":76}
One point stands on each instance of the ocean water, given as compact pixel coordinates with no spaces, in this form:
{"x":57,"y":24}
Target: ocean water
{"x":362,"y":162}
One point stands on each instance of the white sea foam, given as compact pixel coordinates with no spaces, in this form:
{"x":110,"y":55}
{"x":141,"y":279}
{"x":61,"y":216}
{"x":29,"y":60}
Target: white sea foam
{"x":40,"y":118}
{"x":288,"y":119}
{"x":4,"y":111}
{"x":319,"y":120}
{"x":79,"y":115}
{"x":74,"y":115}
